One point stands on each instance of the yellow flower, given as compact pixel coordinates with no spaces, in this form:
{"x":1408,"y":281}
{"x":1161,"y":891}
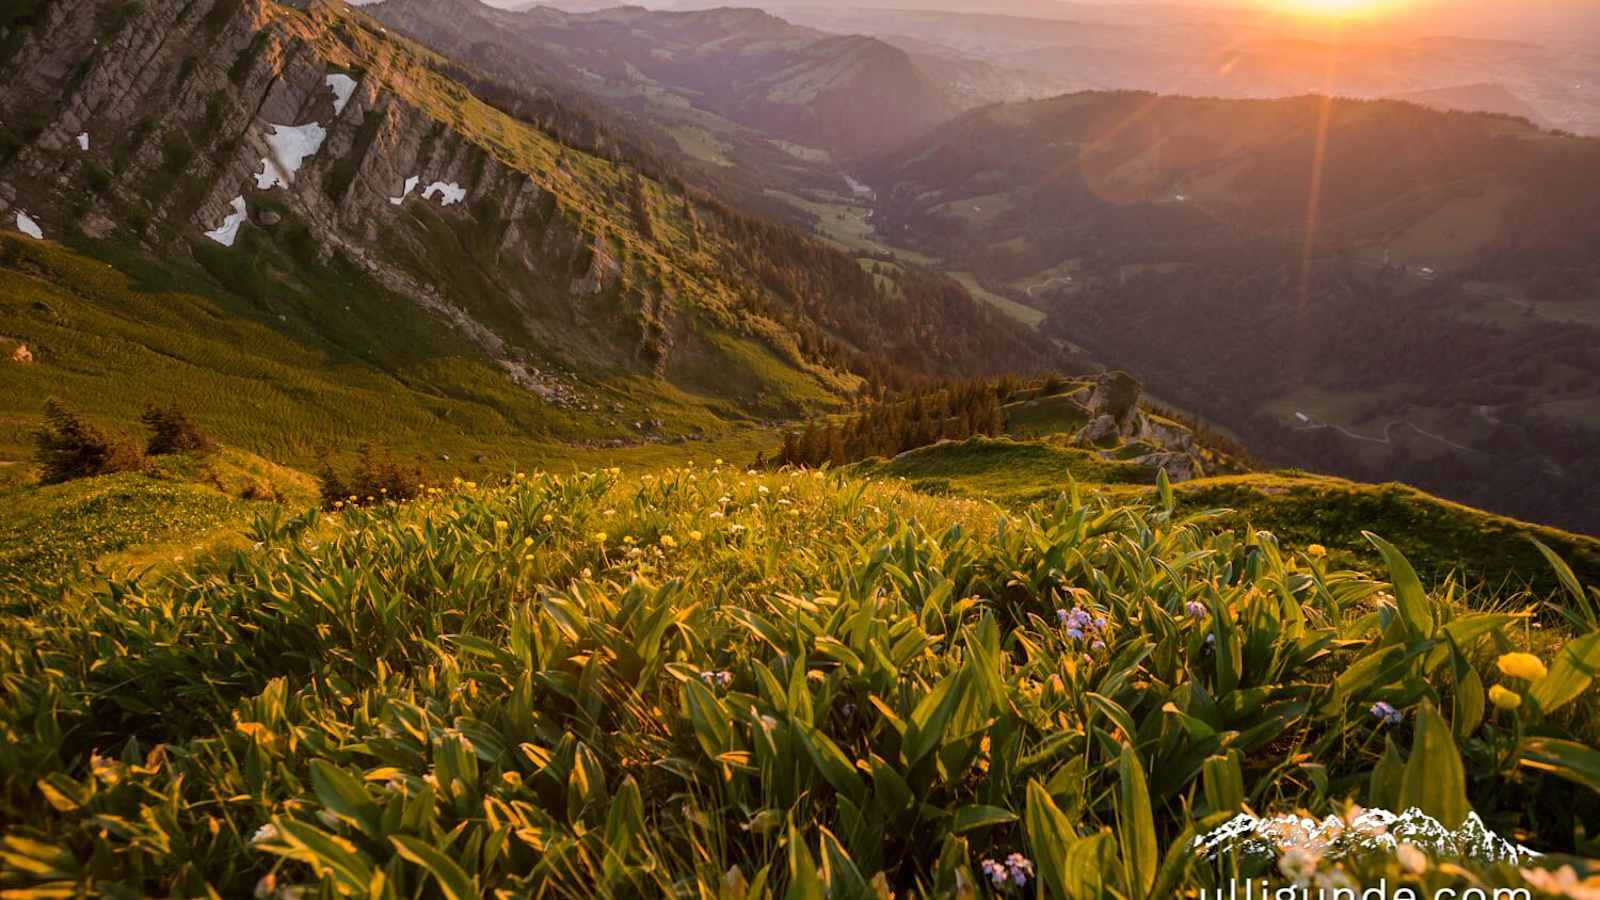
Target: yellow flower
{"x":1505,"y":699}
{"x":668,"y":542}
{"x":696,"y":536}
{"x":472,"y":485}
{"x":1523,"y":665}
{"x":1317,"y":551}
{"x":527,"y":542}
{"x":548,"y":518}
{"x":600,"y":537}
{"x":501,"y":525}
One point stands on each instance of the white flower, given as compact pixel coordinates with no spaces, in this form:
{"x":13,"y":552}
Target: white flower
{"x":267,"y":832}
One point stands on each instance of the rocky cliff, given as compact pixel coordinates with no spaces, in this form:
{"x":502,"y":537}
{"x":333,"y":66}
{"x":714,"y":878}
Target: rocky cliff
{"x":249,"y":132}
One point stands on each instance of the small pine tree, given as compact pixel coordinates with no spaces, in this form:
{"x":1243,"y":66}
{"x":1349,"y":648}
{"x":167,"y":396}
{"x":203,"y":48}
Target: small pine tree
{"x":172,"y":431}
{"x":69,"y":448}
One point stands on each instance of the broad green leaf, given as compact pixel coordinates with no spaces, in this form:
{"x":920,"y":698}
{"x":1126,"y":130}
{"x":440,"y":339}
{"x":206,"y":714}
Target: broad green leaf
{"x":1571,"y":672}
{"x":1583,"y":615}
{"x":932,"y":715}
{"x":1415,"y":612}
{"x":453,"y":882}
{"x":968,"y":818}
{"x":1050,"y":837}
{"x":1435,"y":781}
{"x":344,"y":796}
{"x":1136,"y":830}
{"x":1573,"y":761}
{"x":1222,"y":778}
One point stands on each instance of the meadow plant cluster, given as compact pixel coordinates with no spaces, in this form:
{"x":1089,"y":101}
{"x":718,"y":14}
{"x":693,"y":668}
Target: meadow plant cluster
{"x":712,"y":683}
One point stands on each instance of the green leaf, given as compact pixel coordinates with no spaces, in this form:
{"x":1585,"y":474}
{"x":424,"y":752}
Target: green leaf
{"x":1584,"y":616}
{"x":1571,"y":672}
{"x":1222,"y":778}
{"x":1050,"y":837}
{"x":1415,"y":612}
{"x":1434,"y":780}
{"x":932,"y":715}
{"x":805,"y":882}
{"x":1570,"y":760}
{"x":968,"y":818}
{"x":345,"y":797}
{"x":454,"y":883}
{"x":830,"y":761}
{"x":1467,"y":706}
{"x":710,"y":719}
{"x":1137,"y":830}
{"x":1388,"y":778}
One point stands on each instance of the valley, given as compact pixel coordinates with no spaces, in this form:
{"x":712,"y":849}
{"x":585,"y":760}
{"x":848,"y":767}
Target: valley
{"x":456,"y":450}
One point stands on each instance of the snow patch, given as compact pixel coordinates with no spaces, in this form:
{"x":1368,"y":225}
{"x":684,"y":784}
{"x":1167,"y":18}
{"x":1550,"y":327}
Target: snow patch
{"x":448,"y":193}
{"x":343,"y":87}
{"x":1363,"y":831}
{"x":290,"y":145}
{"x":83,"y":142}
{"x":411,"y":185}
{"x":229,"y":232}
{"x":28,"y":226}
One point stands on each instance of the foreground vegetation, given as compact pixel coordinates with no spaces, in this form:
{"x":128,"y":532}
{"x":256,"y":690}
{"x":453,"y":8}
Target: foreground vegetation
{"x":712,"y":683}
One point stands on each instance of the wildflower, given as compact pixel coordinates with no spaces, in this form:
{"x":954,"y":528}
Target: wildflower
{"x":849,"y":710}
{"x":696,"y":536}
{"x":501,"y":525}
{"x":1411,"y":859}
{"x":1196,"y":609}
{"x":1098,"y":645}
{"x":1075,"y":634}
{"x":717,"y":679}
{"x":267,"y":832}
{"x":472,"y":485}
{"x":1503,"y":698}
{"x":600,"y":537}
{"x":548,"y":518}
{"x":1386,"y":714}
{"x":719,"y":461}
{"x":627,"y":539}
{"x":762,"y":489}
{"x":1523,"y":665}
{"x":668,"y":541}
{"x":1020,"y":869}
{"x":815,"y":676}
{"x":995,"y":872}
{"x":1317,"y":551}
{"x":527,"y":542}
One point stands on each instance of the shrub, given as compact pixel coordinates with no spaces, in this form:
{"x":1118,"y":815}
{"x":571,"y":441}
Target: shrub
{"x":172,"y":431}
{"x":72,"y":448}
{"x":376,"y":478}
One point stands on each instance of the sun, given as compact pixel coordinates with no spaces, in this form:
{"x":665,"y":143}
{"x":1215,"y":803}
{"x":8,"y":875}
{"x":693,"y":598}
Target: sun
{"x":1335,"y":9}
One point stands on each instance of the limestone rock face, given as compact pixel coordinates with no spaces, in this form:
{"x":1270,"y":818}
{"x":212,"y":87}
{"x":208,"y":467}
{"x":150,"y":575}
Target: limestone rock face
{"x":1178,"y":466}
{"x":191,"y":106}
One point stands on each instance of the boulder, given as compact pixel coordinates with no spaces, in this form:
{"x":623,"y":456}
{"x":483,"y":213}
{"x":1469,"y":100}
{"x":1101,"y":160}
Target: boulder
{"x":22,"y":355}
{"x":1116,"y":394}
{"x":1099,"y":430}
{"x":1178,"y":466}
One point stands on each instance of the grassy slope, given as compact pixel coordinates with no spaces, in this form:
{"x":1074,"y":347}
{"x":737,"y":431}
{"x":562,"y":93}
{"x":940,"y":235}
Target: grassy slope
{"x":534,"y":655}
{"x":183,"y":507}
{"x":1440,"y":537}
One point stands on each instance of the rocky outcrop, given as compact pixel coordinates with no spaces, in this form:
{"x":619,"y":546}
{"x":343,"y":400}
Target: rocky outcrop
{"x":1117,"y":420}
{"x":188,"y":108}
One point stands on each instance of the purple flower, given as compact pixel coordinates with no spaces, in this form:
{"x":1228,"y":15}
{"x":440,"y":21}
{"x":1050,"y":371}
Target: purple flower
{"x":1075,"y":634}
{"x":717,"y":679}
{"x":1098,"y":645}
{"x":1020,"y":868}
{"x":1386,"y":714}
{"x":995,"y":872}
{"x":1061,"y":616}
{"x":1196,"y":609}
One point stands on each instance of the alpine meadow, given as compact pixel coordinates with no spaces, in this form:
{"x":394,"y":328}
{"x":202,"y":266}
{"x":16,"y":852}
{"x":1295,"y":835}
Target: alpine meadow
{"x":818,"y":450}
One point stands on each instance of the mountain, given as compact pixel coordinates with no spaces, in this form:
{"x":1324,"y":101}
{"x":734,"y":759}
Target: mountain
{"x":1490,"y":98}
{"x":1442,"y":329}
{"x":302,"y":186}
{"x":848,"y":93}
